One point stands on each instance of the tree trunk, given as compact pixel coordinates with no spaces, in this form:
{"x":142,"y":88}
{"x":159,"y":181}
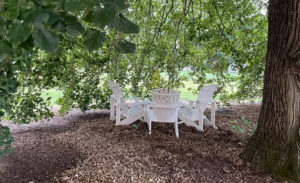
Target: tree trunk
{"x":274,"y":147}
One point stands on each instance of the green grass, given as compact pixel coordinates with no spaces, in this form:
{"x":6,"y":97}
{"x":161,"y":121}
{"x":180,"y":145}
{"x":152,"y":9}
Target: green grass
{"x":54,"y":93}
{"x":187,"y":92}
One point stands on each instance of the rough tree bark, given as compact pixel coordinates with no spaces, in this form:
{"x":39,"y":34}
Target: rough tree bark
{"x":274,"y":147}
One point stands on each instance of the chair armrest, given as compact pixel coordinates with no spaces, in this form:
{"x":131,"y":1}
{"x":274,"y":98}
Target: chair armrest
{"x":132,"y":101}
{"x":206,"y":101}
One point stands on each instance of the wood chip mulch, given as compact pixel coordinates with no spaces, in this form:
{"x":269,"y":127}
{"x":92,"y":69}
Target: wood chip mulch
{"x":90,"y":148}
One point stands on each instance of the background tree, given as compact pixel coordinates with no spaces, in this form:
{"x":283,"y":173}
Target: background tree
{"x":274,"y":147}
{"x":205,"y":36}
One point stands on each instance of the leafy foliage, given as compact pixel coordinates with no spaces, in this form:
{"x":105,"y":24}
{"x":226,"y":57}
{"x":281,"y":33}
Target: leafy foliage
{"x":207,"y":37}
{"x":56,"y":44}
{"x":93,"y":39}
{"x":34,"y":40}
{"x":18,"y":32}
{"x":5,"y":141}
{"x":122,"y":24}
{"x":45,"y":39}
{"x":125,"y":47}
{"x":5,"y":50}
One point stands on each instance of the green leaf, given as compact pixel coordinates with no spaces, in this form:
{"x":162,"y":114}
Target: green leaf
{"x":13,"y":85}
{"x":12,"y":3}
{"x":46,"y":39}
{"x":40,"y":19}
{"x":28,"y":44}
{"x":2,"y":26}
{"x":74,"y":27}
{"x":41,"y":2}
{"x":11,"y":13}
{"x":1,"y":113}
{"x":125,"y":47}
{"x":5,"y":140}
{"x":103,"y":16}
{"x":118,"y":4}
{"x":93,"y":39}
{"x":27,"y":15}
{"x":18,"y":32}
{"x":3,"y":102}
{"x":238,"y":128}
{"x":124,"y":25}
{"x":5,"y":50}
{"x":53,"y":16}
{"x":88,"y":16}
{"x":59,"y":26}
{"x":75,"y":5}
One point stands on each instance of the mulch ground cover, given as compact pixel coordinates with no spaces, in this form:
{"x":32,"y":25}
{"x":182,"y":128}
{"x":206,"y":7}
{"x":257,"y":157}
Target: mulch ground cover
{"x":90,"y":148}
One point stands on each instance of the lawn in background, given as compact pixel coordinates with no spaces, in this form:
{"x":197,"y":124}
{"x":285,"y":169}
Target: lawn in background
{"x":54,"y":93}
{"x":187,"y":92}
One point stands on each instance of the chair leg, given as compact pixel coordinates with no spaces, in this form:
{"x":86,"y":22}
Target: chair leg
{"x":176,"y":129}
{"x":149,"y":122}
{"x":112,"y":109}
{"x":213,"y":115}
{"x":200,"y":127}
{"x":118,"y":115}
{"x":150,"y":126}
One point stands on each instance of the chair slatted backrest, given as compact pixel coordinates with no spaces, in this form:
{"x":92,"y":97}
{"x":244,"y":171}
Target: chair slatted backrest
{"x":165,"y":101}
{"x":117,"y":93}
{"x":204,"y":97}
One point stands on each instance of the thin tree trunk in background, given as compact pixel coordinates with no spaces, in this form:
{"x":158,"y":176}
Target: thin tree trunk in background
{"x":274,"y":147}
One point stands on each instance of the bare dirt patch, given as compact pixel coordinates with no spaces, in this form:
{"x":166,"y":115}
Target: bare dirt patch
{"x":90,"y":148}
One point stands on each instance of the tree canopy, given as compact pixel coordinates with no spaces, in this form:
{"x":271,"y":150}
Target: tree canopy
{"x":76,"y":45}
{"x":36,"y":38}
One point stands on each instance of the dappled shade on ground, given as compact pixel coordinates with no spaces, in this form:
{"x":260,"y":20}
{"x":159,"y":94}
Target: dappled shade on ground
{"x":91,"y":149}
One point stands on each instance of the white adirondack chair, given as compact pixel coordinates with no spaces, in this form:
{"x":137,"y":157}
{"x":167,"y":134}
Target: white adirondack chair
{"x":164,"y":108}
{"x":124,"y":113}
{"x":190,"y":114}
